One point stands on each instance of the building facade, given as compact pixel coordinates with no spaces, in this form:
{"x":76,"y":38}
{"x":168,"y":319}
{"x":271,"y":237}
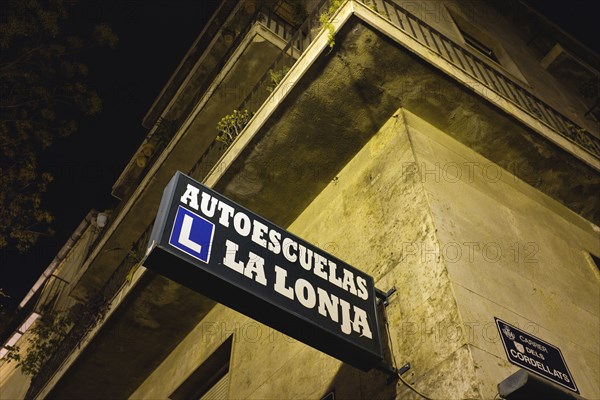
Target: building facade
{"x":449,"y":149}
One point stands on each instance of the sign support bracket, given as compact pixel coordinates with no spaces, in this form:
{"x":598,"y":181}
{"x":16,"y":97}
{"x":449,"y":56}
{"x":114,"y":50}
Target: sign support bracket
{"x":385,"y":296}
{"x":392,"y":372}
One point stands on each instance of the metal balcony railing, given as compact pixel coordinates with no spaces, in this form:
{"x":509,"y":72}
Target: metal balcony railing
{"x":492,"y":78}
{"x":50,"y":294}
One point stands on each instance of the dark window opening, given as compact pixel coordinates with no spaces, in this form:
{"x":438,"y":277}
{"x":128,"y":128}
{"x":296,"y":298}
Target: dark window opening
{"x":479,"y":46}
{"x":209,"y":380}
{"x":596,"y":261}
{"x":292,"y":11}
{"x":581,"y":79}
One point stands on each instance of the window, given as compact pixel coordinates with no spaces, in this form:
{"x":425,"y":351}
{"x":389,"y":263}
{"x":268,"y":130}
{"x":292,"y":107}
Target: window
{"x":596,"y":261}
{"x":582,"y":79}
{"x":477,"y":39}
{"x":483,"y":43}
{"x":210,"y":381}
{"x":479,"y":46}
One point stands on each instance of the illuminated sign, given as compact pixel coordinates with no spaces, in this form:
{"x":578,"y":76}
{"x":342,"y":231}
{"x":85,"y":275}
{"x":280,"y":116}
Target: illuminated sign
{"x":216,"y":247}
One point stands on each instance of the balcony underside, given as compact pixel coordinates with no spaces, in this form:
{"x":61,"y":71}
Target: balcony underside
{"x":147,"y":326}
{"x":340,"y":102}
{"x":348,"y":94}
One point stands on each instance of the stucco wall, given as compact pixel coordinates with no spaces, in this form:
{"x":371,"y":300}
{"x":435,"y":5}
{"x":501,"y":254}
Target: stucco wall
{"x":513,"y":253}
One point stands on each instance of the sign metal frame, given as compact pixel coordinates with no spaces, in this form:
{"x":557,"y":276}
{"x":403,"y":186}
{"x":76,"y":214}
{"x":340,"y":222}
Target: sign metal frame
{"x":249,"y":295}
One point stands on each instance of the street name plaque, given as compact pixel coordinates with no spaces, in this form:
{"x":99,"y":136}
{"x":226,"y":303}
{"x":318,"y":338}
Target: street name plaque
{"x":535,"y":355}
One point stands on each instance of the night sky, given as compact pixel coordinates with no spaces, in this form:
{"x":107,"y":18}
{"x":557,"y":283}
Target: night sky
{"x":154,"y":37}
{"x":579,"y":18}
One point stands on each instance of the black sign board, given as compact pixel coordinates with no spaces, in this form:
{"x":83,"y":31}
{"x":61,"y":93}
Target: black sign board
{"x":214,"y":246}
{"x":535,"y":355}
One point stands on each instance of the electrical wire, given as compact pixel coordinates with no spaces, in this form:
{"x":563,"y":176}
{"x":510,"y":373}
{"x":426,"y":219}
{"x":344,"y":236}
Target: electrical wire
{"x":411,"y":387}
{"x":387,"y":328}
{"x":414,"y":389}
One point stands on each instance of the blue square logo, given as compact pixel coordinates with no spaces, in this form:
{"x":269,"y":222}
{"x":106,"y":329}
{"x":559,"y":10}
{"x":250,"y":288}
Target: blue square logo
{"x":192,"y":234}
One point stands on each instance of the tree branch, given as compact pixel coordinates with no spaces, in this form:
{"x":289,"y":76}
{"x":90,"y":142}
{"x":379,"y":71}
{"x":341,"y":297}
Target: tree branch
{"x":21,"y":58}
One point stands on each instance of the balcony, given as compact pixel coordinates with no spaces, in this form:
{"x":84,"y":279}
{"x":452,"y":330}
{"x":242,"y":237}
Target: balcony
{"x":483,"y":77}
{"x":208,"y":95}
{"x":489,"y":77}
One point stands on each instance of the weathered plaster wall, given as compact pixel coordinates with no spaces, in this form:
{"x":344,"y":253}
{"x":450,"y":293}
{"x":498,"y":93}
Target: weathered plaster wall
{"x":13,"y":383}
{"x":513,"y":253}
{"x":371,"y":212}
